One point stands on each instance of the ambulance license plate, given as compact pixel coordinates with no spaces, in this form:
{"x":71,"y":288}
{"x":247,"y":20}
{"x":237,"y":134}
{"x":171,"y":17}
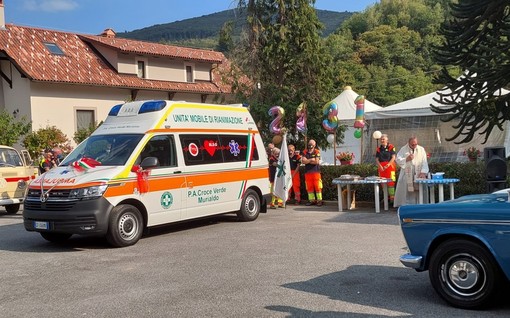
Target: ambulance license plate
{"x":41,"y":225}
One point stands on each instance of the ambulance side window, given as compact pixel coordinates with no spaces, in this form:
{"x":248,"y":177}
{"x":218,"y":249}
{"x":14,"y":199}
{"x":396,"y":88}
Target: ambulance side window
{"x":235,"y":148}
{"x":205,"y":149}
{"x":201,"y":149}
{"x":163,"y":148}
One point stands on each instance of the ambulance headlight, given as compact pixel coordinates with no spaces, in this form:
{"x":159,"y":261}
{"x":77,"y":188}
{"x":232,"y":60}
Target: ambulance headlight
{"x":88,"y":193}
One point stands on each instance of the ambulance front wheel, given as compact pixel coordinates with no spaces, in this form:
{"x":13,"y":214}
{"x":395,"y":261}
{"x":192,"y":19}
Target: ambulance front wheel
{"x":125,"y":227}
{"x":250,"y":207}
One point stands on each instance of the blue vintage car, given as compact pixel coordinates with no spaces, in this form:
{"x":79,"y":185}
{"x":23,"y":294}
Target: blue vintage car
{"x":463,"y":243}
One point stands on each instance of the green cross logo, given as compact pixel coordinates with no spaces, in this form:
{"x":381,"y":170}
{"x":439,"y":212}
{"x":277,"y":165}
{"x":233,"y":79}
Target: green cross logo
{"x":281,"y":166}
{"x":166,"y":200}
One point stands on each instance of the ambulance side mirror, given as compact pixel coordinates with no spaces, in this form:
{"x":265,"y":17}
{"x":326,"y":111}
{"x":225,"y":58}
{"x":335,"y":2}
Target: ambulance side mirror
{"x":149,"y":162}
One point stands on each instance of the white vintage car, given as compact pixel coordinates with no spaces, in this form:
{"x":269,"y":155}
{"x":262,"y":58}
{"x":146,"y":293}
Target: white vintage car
{"x":15,"y":174}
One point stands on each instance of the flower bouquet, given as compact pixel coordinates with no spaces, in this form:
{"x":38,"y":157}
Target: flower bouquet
{"x":472,"y":153}
{"x":345,"y":157}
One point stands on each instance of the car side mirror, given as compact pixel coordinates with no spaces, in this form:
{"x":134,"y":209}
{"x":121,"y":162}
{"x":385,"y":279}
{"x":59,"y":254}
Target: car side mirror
{"x":149,"y":162}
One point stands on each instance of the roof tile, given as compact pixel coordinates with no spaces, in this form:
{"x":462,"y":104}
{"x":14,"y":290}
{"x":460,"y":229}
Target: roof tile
{"x":81,"y":65}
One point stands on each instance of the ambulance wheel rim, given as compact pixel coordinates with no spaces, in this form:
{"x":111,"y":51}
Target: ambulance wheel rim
{"x":251,"y":205}
{"x":128,"y":226}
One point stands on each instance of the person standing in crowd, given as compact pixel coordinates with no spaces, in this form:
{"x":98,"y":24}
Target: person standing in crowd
{"x":273,"y":163}
{"x":47,"y":163}
{"x":269,"y":149}
{"x":57,"y":155}
{"x":385,"y":157}
{"x":311,"y":158}
{"x":412,"y":160}
{"x":295,"y":161}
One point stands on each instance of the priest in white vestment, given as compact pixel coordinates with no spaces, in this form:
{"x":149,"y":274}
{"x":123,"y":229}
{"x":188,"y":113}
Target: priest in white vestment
{"x":412,"y":160}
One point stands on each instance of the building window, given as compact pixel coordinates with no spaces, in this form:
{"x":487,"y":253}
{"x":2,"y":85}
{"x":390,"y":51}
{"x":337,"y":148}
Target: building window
{"x":189,"y":74}
{"x":54,"y":48}
{"x":141,"y":69}
{"x":85,"y":119}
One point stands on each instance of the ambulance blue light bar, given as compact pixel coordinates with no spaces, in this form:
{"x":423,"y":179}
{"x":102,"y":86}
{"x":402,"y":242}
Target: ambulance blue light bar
{"x":152,"y":106}
{"x":115,"y":110}
{"x":147,"y":107}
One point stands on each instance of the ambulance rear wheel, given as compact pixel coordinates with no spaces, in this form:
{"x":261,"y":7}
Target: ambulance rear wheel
{"x":250,"y":207}
{"x":125,"y":226}
{"x":12,"y":208}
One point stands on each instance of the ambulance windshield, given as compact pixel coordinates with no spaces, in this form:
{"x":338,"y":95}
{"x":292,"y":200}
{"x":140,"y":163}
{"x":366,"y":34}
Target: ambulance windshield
{"x":109,"y":150}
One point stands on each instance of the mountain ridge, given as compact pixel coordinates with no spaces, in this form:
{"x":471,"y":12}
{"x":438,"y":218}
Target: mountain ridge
{"x":209,"y":26}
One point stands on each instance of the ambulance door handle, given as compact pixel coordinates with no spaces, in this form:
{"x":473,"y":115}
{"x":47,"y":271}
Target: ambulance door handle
{"x":178,"y":171}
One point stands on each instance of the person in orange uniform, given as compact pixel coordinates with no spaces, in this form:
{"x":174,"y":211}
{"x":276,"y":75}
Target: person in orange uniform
{"x":295,"y":161}
{"x":385,"y":157}
{"x":311,"y":158}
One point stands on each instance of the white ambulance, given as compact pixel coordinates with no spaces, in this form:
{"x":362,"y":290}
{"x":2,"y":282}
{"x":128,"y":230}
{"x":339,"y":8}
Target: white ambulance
{"x":152,"y":163}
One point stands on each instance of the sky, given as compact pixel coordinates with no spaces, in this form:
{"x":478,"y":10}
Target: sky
{"x":94,"y":16}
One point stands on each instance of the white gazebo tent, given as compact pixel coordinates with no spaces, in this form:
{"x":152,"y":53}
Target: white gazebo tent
{"x":346,"y":116}
{"x":415,"y":117}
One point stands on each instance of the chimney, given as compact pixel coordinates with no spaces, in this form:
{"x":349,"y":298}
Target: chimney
{"x":2,"y":15}
{"x":107,"y":33}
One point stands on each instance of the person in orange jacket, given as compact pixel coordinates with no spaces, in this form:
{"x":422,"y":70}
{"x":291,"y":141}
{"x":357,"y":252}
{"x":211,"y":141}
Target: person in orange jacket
{"x":311,"y":158}
{"x":385,"y":156}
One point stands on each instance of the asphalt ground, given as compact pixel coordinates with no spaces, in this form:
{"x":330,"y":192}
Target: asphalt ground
{"x":294,"y":262}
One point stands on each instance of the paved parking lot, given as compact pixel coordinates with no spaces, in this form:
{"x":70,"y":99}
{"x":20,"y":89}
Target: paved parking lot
{"x":294,"y":262}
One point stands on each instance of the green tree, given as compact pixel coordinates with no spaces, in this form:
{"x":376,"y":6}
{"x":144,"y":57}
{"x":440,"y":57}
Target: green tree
{"x":477,"y":40}
{"x":225,"y":42}
{"x":83,"y":133}
{"x":284,"y":56}
{"x":45,"y":139}
{"x":12,"y":129}
{"x":384,"y":51}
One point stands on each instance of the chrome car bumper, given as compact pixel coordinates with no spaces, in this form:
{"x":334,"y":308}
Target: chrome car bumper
{"x":412,"y":261}
{"x":10,"y":201}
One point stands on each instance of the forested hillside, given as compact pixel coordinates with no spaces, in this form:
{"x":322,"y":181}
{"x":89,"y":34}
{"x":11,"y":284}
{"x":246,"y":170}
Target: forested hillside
{"x":208,"y":26}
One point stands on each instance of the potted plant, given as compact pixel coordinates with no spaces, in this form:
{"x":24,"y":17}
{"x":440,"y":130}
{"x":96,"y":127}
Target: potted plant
{"x":472,"y":153}
{"x":345,"y":157}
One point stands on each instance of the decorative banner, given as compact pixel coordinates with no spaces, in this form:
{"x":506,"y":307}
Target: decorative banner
{"x":84,"y":164}
{"x":330,"y":110}
{"x":301,"y":121}
{"x":283,"y":178}
{"x":142,"y":178}
{"x":359,"y":122}
{"x":276,"y":125}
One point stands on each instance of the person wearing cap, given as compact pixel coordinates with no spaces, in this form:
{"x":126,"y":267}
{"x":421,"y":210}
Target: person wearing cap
{"x":311,"y":158}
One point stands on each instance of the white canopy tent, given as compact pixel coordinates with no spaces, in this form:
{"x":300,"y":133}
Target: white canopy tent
{"x":415,"y":117}
{"x":346,"y":116}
